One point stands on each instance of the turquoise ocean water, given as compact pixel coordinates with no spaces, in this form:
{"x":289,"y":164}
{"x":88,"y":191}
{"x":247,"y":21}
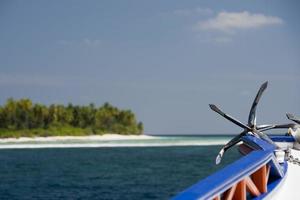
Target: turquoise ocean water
{"x":140,"y":169}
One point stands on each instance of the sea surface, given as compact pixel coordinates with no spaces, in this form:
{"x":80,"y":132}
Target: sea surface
{"x":143,"y":170}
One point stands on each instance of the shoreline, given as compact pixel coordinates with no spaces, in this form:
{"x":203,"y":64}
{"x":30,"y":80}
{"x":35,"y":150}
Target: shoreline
{"x":105,"y":137}
{"x":107,"y":140}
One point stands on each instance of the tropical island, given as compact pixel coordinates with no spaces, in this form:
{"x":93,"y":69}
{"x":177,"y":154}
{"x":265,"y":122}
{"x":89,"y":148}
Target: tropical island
{"x":23,"y":118}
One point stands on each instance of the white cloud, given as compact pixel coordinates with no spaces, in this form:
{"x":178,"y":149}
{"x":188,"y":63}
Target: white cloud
{"x":230,"y":22}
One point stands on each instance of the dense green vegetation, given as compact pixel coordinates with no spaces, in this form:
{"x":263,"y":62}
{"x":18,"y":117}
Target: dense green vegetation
{"x":23,"y":118}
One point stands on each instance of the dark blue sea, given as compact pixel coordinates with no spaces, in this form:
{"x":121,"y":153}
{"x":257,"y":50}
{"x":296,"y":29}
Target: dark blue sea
{"x":107,"y":173}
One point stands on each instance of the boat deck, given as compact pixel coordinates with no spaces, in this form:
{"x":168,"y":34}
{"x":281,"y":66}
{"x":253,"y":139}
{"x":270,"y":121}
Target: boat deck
{"x":289,"y":188}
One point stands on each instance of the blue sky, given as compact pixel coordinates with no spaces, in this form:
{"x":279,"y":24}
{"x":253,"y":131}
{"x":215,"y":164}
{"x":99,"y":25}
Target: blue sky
{"x":165,"y":60}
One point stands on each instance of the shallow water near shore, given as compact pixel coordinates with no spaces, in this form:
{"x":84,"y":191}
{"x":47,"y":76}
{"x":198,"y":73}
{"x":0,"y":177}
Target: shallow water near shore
{"x":105,"y":173}
{"x":111,"y":141}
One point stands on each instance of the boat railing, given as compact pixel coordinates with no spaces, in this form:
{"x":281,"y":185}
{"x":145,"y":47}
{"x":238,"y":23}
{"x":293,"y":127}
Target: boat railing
{"x":254,"y":175}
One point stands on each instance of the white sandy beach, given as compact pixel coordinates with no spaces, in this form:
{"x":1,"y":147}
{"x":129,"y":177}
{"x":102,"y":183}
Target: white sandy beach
{"x":107,"y":140}
{"x":105,"y":137}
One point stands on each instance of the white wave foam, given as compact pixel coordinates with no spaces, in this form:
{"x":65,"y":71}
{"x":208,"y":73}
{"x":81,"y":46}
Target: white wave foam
{"x":106,"y":137}
{"x":156,"y":143}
